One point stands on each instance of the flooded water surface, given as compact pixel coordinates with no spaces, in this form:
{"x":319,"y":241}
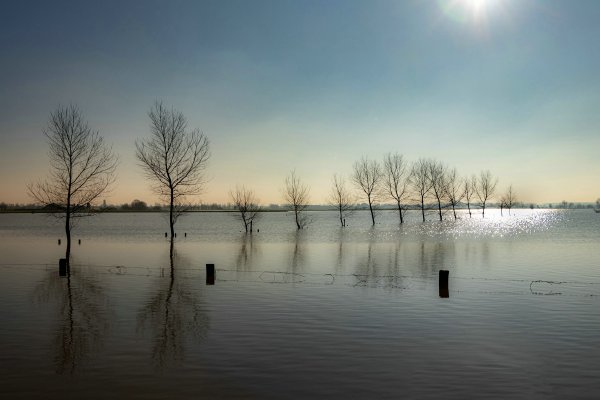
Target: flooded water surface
{"x":326,"y":312}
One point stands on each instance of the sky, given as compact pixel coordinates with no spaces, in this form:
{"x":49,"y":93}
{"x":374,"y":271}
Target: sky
{"x":510,"y":86}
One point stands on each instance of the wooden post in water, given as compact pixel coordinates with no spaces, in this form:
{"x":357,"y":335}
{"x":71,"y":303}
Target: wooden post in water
{"x":79,"y":242}
{"x":165,"y":234}
{"x":62,"y":267}
{"x":185,"y":234}
{"x":444,"y":293}
{"x":59,"y":242}
{"x":210,"y":274}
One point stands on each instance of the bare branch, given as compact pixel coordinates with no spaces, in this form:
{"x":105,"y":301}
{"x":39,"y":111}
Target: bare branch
{"x":341,"y":198}
{"x":367,"y":177}
{"x":82,"y":168}
{"x":296,"y":195}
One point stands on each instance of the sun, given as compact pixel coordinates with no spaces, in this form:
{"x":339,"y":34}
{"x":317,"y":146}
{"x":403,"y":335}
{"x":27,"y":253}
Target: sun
{"x":477,"y":11}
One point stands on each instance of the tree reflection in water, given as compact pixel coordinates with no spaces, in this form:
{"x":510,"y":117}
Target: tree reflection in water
{"x":82,"y":316}
{"x":173,"y":315}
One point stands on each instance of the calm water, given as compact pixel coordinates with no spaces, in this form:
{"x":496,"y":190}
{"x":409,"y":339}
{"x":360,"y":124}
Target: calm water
{"x":321,"y":313}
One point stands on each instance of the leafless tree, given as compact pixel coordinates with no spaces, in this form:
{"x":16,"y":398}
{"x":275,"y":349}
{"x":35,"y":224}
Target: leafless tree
{"x":469,"y":191}
{"x":485,"y":188}
{"x":341,"y":198}
{"x":396,"y":180}
{"x":454,"y":189}
{"x":367,"y":177}
{"x":296,"y":195}
{"x":420,"y":182}
{"x":245,"y":201}
{"x":437,"y":175}
{"x":82,"y":167}
{"x":174,"y":158}
{"x":508,"y":199}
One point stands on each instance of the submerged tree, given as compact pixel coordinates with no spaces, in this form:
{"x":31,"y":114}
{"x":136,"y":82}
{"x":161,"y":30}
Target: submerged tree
{"x":437,"y":176}
{"x":396,"y":180}
{"x":173,"y":158}
{"x":245,"y":201}
{"x":367,"y":177}
{"x":82,"y":167}
{"x":508,"y":199}
{"x":341,"y":198}
{"x":420,"y":182}
{"x":469,"y":191}
{"x":296,"y":196}
{"x":454,"y":190}
{"x":485,"y":188}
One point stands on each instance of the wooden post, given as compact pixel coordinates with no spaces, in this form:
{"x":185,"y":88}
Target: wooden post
{"x":185,"y":234}
{"x":165,"y":234}
{"x":79,"y":242}
{"x":444,"y":283}
{"x":59,"y":242}
{"x":210,"y":274}
{"x":62,"y":267}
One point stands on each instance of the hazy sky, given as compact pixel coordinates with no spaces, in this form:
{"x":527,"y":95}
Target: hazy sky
{"x":512,"y":86}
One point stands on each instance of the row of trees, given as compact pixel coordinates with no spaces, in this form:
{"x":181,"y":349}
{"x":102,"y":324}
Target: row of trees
{"x":424,"y":184}
{"x":174,"y":159}
{"x":82,"y":166}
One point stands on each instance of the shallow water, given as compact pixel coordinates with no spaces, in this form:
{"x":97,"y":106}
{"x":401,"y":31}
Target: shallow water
{"x":321,"y":313}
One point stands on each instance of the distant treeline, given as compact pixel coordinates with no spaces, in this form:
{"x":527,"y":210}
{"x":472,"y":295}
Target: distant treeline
{"x":139,"y":205}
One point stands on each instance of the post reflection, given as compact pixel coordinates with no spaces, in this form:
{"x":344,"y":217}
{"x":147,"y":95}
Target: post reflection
{"x":82,"y":317}
{"x":173,"y":315}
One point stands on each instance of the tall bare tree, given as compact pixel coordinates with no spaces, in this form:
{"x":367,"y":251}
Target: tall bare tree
{"x":420,"y":182}
{"x":469,"y":191}
{"x":296,"y":195}
{"x":82,"y":167}
{"x":485,"y":189}
{"x":367,"y":177}
{"x":341,"y":198}
{"x":437,"y":176}
{"x":245,"y":201}
{"x":396,"y":180}
{"x":173,"y":158}
{"x":509,"y":199}
{"x":454,"y":189}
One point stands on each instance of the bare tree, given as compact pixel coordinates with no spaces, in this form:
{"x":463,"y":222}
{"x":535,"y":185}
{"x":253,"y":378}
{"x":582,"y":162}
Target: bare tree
{"x":296,"y":195}
{"x":367,"y":177}
{"x":508,"y":199}
{"x":469,"y":191}
{"x":341,"y":198}
{"x":245,"y":201}
{"x":396,"y":180}
{"x":420,"y":182}
{"x":173,"y":158}
{"x":437,"y":176}
{"x":82,"y":167}
{"x":485,"y":188}
{"x":454,"y":190}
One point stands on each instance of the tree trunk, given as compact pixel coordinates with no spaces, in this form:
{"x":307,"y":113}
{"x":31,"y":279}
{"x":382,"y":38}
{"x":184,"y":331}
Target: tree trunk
{"x":440,"y":209}
{"x":297,"y":221}
{"x":400,"y":212}
{"x":68,"y":233}
{"x":483,"y":211}
{"x":454,"y":211}
{"x":423,"y":207}
{"x":371,"y":209}
{"x":469,"y":208}
{"x":171,"y":221}
{"x":341,"y":216}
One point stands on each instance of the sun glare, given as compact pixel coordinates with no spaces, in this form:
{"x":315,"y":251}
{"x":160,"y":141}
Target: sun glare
{"x":477,"y":11}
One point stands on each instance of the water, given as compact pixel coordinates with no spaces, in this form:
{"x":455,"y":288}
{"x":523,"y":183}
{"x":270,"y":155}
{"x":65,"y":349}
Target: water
{"x":321,"y":313}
